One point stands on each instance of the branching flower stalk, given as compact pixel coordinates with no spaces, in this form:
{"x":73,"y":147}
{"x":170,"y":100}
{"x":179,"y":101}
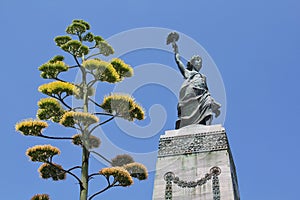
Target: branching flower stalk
{"x":55,"y":109}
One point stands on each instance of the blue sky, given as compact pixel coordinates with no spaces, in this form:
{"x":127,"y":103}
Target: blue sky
{"x":255,"y":45}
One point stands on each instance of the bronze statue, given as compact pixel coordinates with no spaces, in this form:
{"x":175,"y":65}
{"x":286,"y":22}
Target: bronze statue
{"x":195,"y":105}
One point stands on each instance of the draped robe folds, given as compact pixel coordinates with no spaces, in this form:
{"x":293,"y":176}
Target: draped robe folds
{"x":195,"y":105}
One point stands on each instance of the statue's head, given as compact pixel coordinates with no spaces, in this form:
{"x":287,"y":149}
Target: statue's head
{"x":195,"y":63}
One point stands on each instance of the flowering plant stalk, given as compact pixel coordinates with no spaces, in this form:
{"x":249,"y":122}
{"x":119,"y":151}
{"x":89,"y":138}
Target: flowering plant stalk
{"x":56,"y":109}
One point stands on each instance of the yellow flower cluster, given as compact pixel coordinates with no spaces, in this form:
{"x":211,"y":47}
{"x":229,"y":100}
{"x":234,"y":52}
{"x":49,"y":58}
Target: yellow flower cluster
{"x":40,"y":197}
{"x":42,"y":153}
{"x":137,"y":170}
{"x":53,"y":171}
{"x":81,"y":21}
{"x":98,"y":39}
{"x":58,"y":88}
{"x":123,"y":69}
{"x":61,"y":40}
{"x":49,"y":108}
{"x":51,"y":70}
{"x":124,"y":106}
{"x":91,"y":142}
{"x":105,"y":48}
{"x":78,"y":27}
{"x":75,"y":48}
{"x":120,"y":175}
{"x":103,"y":71}
{"x":49,"y":102}
{"x":31,"y":127}
{"x":69,"y":119}
{"x":121,"y":160}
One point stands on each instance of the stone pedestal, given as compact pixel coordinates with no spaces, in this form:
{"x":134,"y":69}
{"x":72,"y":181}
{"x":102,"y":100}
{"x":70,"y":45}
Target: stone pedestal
{"x":195,"y":162}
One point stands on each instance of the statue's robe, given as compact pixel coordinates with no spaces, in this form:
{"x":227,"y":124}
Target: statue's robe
{"x":195,"y":105}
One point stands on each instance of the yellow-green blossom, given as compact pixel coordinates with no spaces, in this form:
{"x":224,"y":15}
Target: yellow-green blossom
{"x":58,"y":88}
{"x":69,"y":119}
{"x":50,"y":108}
{"x":123,"y":106}
{"x":51,"y":70}
{"x":137,"y":170}
{"x":40,"y":197}
{"x":123,"y":69}
{"x":31,"y":127}
{"x":42,"y":153}
{"x":103,"y":71}
{"x":75,"y":48}
{"x":91,"y":142}
{"x":120,"y":175}
{"x":121,"y":160}
{"x":53,"y":171}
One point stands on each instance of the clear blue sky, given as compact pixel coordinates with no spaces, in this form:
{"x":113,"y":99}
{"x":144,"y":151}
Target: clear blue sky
{"x":255,"y":45}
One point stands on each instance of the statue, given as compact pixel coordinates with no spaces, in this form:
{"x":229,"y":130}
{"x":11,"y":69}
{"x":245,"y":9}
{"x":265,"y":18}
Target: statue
{"x":195,"y":105}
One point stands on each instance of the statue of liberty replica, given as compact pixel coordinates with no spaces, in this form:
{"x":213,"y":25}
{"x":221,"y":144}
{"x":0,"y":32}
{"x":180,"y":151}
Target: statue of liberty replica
{"x":195,"y":106}
{"x":194,"y":160}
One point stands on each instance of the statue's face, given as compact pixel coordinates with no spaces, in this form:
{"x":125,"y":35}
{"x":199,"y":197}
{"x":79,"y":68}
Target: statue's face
{"x":196,"y":62}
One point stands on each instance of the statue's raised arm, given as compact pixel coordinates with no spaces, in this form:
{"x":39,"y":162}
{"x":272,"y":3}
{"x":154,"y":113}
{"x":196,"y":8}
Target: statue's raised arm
{"x":181,"y":66}
{"x":195,"y":105}
{"x":172,"y":38}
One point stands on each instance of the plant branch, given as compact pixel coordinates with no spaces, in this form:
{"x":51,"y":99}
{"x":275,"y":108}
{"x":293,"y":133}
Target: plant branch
{"x":96,"y":54}
{"x":101,"y":123}
{"x":73,"y":66}
{"x":103,"y":190}
{"x":62,"y":101}
{"x":98,"y":154}
{"x":76,"y":167}
{"x":68,"y":172}
{"x":106,"y":114}
{"x":95,"y":103}
{"x":77,"y":108}
{"x":76,"y":60}
{"x":94,"y":174}
{"x":58,"y":79}
{"x":91,"y":83}
{"x":55,"y":138}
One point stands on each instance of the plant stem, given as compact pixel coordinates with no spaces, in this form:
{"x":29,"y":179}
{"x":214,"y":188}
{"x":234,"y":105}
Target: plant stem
{"x":85,"y":152}
{"x":55,"y":138}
